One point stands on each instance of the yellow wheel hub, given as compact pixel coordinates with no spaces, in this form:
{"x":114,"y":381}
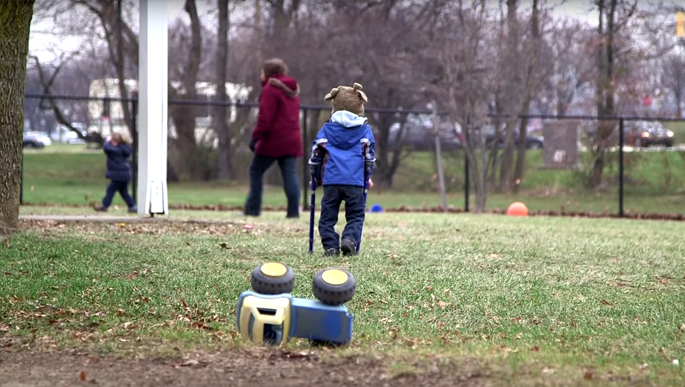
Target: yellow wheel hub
{"x":274,"y":269}
{"x":334,"y":277}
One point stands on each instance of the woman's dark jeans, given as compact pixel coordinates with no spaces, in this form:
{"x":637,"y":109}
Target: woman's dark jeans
{"x":260,"y":164}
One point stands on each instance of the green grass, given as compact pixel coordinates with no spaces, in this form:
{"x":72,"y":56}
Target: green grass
{"x":531,"y":294}
{"x":654,"y":183}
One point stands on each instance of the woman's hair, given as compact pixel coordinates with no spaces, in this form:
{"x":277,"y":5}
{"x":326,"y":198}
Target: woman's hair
{"x":118,"y":138}
{"x":274,"y":66}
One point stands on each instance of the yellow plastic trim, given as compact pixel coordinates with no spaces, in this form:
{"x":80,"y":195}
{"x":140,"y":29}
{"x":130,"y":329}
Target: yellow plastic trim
{"x":334,"y":277}
{"x":250,"y":307}
{"x":274,"y":269}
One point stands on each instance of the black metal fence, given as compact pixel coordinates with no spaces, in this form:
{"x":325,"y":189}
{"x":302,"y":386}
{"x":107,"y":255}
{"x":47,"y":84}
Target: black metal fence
{"x":619,"y":133}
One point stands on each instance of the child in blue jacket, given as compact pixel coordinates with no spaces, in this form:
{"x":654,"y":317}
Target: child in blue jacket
{"x":118,"y":171}
{"x":343,"y":140}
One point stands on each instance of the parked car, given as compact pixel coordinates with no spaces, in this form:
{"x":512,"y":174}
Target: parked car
{"x":418,"y":134}
{"x":67,"y":136}
{"x":35,"y":140}
{"x":648,"y":133}
{"x":639,"y":134}
{"x":532,"y":141}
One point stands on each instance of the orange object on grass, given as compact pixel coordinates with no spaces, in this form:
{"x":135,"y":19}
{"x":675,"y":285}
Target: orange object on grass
{"x":517,"y":209}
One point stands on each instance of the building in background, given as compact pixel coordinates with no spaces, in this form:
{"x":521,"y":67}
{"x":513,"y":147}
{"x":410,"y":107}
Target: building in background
{"x":106,"y":117}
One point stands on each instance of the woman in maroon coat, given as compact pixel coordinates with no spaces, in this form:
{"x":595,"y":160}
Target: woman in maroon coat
{"x":277,"y":137}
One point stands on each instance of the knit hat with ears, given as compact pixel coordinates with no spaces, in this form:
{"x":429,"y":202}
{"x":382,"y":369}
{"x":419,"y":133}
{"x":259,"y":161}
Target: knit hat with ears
{"x":348,"y":98}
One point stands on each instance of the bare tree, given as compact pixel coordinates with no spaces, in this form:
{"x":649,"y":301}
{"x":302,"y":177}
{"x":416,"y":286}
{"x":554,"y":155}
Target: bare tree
{"x":220,"y":121}
{"x":673,"y":79}
{"x":536,"y":75}
{"x":49,"y":101}
{"x":613,"y":17}
{"x":15,"y":22}
{"x":573,"y":66}
{"x":191,"y":163}
{"x":469,"y":82}
{"x":391,"y":73}
{"x":122,"y":43}
{"x":510,"y":93}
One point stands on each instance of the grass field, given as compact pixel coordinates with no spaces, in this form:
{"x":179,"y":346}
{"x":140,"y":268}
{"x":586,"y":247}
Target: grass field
{"x":654,"y":183}
{"x":528,"y":301}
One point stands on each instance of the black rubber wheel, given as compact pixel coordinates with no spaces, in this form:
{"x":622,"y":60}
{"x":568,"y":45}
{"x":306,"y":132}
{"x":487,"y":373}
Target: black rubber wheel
{"x":334,"y":286}
{"x":273,"y":278}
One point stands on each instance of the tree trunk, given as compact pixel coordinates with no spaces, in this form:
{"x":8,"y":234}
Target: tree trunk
{"x":515,"y":182}
{"x":510,"y":104}
{"x":224,"y":164}
{"x":605,"y":90}
{"x":15,"y":24}
{"x":523,"y":130}
{"x":679,"y":95}
{"x":480,"y":180}
{"x":389,"y":157}
{"x":184,"y":115}
{"x":120,"y":65}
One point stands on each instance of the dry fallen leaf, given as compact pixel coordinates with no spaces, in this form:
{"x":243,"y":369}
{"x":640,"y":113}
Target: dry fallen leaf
{"x":82,"y":376}
{"x":588,"y":375}
{"x":535,"y":349}
{"x":442,"y":304}
{"x":190,"y":362}
{"x":413,"y":341}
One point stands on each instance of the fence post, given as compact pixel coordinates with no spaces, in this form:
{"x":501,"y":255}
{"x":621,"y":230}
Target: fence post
{"x":620,"y":167}
{"x":134,"y":151}
{"x":305,"y":169}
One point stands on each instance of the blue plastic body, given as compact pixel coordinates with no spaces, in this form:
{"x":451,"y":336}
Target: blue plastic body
{"x":311,"y":319}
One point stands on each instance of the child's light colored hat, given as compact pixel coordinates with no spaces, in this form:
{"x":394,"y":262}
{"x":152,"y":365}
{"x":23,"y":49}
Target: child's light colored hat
{"x":348,"y":98}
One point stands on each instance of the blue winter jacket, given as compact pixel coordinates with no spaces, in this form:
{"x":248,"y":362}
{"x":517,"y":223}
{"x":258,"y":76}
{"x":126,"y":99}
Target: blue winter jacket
{"x":118,"y":168}
{"x":344,"y":161}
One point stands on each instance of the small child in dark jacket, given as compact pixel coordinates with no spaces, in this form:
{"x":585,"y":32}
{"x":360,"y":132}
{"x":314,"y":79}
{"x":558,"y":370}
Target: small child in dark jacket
{"x":344,"y":139}
{"x":118,"y":171}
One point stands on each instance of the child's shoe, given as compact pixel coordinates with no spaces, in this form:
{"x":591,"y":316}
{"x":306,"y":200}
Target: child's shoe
{"x":349,"y":247}
{"x":100,"y":208}
{"x":132,"y":210}
{"x":331,"y":252}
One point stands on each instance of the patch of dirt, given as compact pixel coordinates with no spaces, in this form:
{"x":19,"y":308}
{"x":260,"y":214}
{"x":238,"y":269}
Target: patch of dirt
{"x":429,"y":209}
{"x":137,"y":227}
{"x":254,"y":367}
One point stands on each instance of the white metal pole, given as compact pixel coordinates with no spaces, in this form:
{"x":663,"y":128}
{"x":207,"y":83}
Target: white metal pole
{"x":153,"y":107}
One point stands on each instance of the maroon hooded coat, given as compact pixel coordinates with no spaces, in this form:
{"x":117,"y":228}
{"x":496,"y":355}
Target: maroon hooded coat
{"x":278,"y":126}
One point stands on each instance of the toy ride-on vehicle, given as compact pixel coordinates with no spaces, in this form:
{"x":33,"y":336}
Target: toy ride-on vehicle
{"x":269,"y":314}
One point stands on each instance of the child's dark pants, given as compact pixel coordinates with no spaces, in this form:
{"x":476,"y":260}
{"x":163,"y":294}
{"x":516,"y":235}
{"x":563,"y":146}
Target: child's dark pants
{"x":122,"y":188}
{"x":333,"y":196}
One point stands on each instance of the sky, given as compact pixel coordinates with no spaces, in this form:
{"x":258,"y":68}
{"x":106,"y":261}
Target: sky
{"x":47,"y":46}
